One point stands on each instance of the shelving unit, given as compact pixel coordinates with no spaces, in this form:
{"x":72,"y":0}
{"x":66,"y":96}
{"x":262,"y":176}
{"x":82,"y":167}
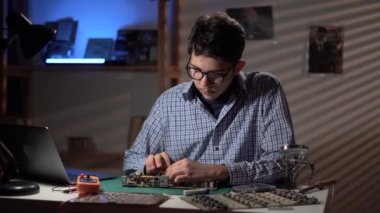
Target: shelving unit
{"x":166,"y":66}
{"x":168,"y":43}
{"x":24,"y":70}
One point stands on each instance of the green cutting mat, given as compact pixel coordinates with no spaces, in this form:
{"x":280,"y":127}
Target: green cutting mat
{"x":114,"y":185}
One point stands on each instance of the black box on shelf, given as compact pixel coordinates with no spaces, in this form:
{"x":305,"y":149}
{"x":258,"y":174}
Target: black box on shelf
{"x":136,"y":47}
{"x":62,"y":46}
{"x":99,"y":48}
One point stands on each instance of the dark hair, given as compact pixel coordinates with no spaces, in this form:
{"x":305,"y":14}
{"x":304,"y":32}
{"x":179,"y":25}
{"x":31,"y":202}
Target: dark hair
{"x":218,"y":36}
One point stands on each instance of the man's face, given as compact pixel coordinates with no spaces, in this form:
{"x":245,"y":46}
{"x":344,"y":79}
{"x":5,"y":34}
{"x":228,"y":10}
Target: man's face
{"x":208,"y":89}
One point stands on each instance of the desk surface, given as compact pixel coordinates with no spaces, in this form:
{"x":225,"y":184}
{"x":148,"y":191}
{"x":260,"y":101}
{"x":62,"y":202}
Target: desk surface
{"x":49,"y":201}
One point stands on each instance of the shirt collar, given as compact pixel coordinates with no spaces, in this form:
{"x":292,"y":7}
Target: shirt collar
{"x":189,"y":90}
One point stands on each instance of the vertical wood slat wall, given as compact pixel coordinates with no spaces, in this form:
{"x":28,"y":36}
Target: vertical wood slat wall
{"x":337,"y":116}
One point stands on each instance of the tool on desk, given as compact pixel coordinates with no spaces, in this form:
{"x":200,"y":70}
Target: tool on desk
{"x":87,"y":185}
{"x":200,"y":191}
{"x":319,"y":185}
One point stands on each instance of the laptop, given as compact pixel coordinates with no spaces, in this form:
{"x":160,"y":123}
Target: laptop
{"x":37,"y":156}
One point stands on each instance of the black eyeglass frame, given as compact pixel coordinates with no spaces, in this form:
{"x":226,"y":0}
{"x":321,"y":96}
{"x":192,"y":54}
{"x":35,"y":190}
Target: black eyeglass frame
{"x":222,"y":75}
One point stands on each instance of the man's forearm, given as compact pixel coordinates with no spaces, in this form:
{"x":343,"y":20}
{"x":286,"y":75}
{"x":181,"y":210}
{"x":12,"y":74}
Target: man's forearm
{"x":222,"y":173}
{"x":248,"y":172}
{"x":216,"y":172}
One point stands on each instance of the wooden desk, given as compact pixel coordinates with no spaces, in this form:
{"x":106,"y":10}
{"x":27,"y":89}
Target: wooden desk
{"x":49,"y":201}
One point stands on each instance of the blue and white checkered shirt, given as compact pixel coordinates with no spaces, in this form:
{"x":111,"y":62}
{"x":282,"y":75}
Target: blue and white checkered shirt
{"x":246,"y":137}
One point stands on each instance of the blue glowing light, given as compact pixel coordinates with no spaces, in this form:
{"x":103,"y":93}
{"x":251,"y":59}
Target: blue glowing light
{"x":75,"y":61}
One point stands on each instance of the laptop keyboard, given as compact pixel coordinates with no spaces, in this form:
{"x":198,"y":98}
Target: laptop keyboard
{"x":74,"y":173}
{"x":72,"y":177}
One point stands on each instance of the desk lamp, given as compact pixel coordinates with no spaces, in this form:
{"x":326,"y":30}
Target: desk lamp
{"x":32,"y":39}
{"x":8,"y":169}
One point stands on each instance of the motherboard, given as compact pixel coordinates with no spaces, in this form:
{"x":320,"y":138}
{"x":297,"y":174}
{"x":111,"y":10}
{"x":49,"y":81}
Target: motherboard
{"x":137,"y":179}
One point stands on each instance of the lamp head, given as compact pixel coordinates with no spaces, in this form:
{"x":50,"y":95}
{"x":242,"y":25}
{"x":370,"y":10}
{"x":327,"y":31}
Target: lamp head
{"x":32,"y":37}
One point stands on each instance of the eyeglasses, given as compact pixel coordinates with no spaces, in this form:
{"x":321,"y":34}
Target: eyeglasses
{"x":212,"y":76}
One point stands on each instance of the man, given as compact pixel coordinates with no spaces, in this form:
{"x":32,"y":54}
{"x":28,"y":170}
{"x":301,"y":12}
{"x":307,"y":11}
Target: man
{"x":224,"y":125}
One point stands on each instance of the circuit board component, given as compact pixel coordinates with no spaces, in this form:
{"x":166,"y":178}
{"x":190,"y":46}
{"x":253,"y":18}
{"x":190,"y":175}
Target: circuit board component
{"x":138,"y":179}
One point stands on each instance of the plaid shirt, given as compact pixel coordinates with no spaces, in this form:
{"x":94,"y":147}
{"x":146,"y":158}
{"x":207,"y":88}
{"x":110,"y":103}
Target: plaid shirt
{"x":246,"y":137}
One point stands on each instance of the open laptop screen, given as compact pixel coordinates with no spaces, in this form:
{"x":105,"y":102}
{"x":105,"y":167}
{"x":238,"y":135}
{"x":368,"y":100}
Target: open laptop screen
{"x":37,"y":157}
{"x":35,"y":153}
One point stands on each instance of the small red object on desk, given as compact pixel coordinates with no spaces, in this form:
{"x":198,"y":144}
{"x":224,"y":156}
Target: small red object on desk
{"x":87,"y":185}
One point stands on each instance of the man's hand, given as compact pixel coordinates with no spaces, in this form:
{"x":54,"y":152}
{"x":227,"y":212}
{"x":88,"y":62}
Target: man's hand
{"x":157,"y":163}
{"x":187,"y":170}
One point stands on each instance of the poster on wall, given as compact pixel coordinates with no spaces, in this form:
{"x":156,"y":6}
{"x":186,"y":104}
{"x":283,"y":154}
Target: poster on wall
{"x":257,"y":21}
{"x":325,"y":49}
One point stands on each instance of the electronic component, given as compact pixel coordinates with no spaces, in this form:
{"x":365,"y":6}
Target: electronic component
{"x":137,"y":179}
{"x":253,"y":187}
{"x":122,"y":198}
{"x":87,"y":185}
{"x":273,"y":198}
{"x":207,"y":202}
{"x":200,"y":191}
